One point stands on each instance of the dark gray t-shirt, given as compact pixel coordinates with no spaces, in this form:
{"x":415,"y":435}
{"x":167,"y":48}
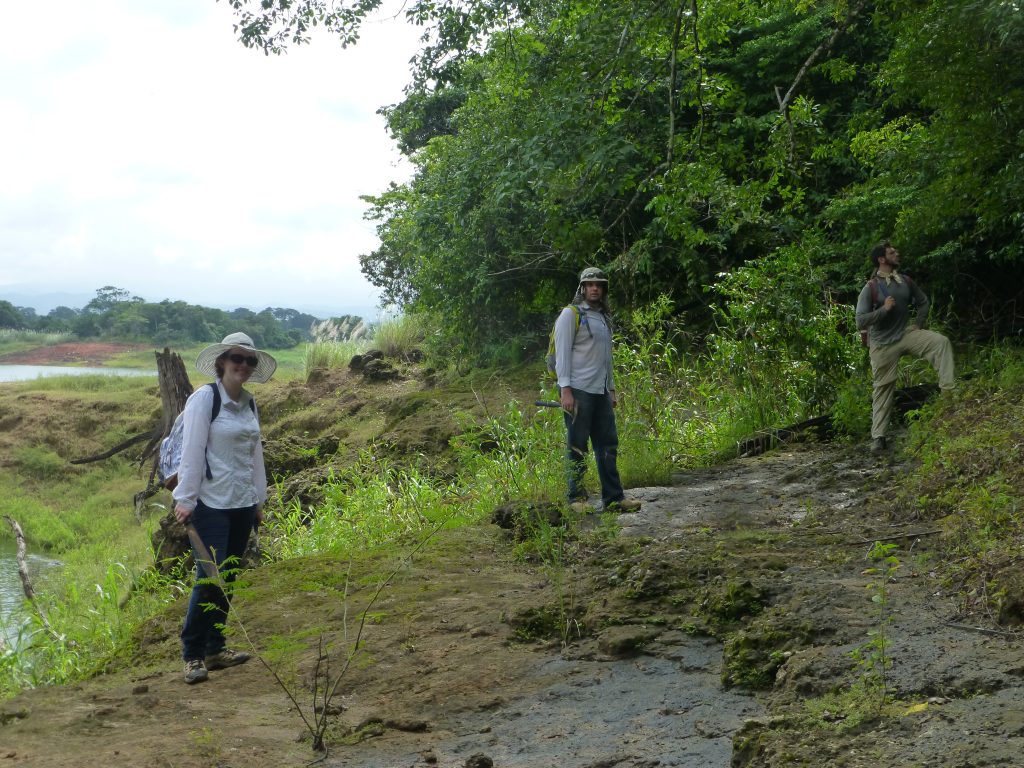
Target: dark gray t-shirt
{"x":888,"y":327}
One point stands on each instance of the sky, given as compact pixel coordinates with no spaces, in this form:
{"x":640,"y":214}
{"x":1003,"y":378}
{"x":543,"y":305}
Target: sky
{"x":143,"y":147}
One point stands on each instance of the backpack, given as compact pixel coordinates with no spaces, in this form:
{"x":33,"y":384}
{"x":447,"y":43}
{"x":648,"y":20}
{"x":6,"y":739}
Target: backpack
{"x":875,"y":303}
{"x":171,"y":446}
{"x":549,"y":358}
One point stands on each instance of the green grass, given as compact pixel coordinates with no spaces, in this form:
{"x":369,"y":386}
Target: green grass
{"x":399,"y":337}
{"x":968,"y":476}
{"x":328,"y":355}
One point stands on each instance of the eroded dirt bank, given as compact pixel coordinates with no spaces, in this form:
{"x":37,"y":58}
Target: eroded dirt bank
{"x":70,"y":353}
{"x":466,"y":663}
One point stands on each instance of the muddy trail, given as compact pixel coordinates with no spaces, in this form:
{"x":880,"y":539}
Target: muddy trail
{"x":714,"y":627}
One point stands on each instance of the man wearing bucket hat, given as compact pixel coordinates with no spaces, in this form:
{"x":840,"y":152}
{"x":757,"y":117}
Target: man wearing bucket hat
{"x":583,"y":364}
{"x":222,"y":486}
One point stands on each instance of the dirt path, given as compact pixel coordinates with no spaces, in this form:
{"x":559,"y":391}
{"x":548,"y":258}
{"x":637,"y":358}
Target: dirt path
{"x":448,"y":677}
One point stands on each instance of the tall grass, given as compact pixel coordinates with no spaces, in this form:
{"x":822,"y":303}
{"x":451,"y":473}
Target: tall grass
{"x":515,"y":454}
{"x":400,"y":337}
{"x":328,"y":355}
{"x":12,"y":340}
{"x":371,"y":503}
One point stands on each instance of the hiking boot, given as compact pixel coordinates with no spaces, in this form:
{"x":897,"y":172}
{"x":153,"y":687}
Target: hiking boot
{"x":623,"y":505}
{"x":195,"y":671}
{"x":226,"y":658}
{"x":878,"y":445}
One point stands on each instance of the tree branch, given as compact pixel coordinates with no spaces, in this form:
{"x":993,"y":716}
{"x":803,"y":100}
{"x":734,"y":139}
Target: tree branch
{"x":700,"y":74}
{"x":672,"y":84}
{"x":26,"y":583}
{"x":118,"y":448}
{"x":786,"y":100}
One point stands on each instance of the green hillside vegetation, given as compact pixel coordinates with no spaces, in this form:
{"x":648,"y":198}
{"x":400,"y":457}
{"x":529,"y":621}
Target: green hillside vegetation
{"x":114,"y":314}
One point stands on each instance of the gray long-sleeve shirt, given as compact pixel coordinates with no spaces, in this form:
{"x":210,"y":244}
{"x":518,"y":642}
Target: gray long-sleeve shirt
{"x":888,"y":327}
{"x":583,"y":356}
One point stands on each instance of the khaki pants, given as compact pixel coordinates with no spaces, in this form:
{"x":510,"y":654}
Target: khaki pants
{"x":927,"y":345}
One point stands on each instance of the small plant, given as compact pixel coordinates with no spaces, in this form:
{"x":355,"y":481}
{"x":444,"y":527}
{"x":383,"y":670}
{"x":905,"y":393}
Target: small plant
{"x":872,"y":658}
{"x":326,"y":683}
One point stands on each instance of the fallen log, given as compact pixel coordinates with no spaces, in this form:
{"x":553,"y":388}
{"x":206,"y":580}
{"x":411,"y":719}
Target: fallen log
{"x":756,"y":444}
{"x":906,"y":399}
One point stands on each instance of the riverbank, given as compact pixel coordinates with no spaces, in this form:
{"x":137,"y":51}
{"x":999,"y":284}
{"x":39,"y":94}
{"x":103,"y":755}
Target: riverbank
{"x":734,"y":621}
{"x":90,"y":353}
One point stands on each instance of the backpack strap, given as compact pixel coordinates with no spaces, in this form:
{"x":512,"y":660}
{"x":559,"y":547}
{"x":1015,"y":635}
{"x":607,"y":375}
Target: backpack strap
{"x":216,"y":401}
{"x":581,"y":318}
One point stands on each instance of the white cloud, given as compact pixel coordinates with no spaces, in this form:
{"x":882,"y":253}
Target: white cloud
{"x":143,"y":146}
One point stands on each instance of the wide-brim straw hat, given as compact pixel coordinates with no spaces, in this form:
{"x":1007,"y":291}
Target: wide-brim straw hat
{"x":206,"y":362}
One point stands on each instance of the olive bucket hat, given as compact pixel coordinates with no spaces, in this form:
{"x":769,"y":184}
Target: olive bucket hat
{"x":265,"y":365}
{"x":593,"y":275}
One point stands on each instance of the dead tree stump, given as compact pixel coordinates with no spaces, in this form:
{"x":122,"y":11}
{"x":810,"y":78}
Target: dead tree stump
{"x":175,"y":389}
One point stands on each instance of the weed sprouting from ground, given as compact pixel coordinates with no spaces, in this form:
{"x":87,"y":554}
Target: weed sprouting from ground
{"x":326,"y":683}
{"x":511,"y":455}
{"x":872,"y":658}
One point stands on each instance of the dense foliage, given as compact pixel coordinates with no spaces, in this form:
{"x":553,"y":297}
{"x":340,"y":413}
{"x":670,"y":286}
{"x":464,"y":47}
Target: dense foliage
{"x":671,"y":142}
{"x":115,"y":314}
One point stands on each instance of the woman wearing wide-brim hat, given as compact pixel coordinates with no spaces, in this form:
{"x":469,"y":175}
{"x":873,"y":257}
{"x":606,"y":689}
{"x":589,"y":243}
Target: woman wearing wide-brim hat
{"x":222,"y":486}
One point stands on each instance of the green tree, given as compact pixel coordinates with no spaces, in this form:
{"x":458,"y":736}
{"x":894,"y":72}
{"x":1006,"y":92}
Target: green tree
{"x":672,"y":143}
{"x":10,"y":317}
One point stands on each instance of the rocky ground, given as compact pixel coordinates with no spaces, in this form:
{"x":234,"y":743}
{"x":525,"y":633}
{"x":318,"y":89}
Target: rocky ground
{"x":715,"y":627}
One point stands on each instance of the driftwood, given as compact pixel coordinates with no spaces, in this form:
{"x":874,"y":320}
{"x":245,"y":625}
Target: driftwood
{"x":116,"y":449}
{"x":26,"y":582}
{"x":175,"y":389}
{"x":755,"y":445}
{"x":19,"y":535}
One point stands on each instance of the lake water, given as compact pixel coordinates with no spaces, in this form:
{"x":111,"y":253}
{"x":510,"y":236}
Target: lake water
{"x":29,"y":372}
{"x":12,"y":596}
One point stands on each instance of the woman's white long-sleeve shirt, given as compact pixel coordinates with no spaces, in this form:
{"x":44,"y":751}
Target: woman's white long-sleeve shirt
{"x":230,"y":444}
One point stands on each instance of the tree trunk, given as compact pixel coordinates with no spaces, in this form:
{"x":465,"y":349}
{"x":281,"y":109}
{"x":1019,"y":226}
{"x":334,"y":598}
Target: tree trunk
{"x":175,"y":389}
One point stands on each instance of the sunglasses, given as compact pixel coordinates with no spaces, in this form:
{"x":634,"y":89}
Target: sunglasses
{"x":250,"y":360}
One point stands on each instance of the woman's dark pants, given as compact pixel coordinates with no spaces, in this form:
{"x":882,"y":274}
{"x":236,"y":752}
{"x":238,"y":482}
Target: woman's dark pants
{"x":594,"y":421}
{"x":225,"y":532}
